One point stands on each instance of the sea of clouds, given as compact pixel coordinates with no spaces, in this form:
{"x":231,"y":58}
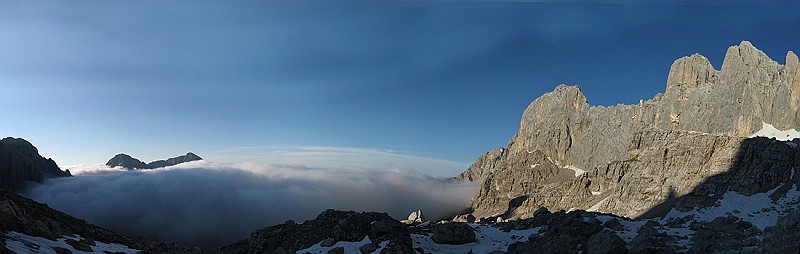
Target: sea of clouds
{"x":209,"y":204}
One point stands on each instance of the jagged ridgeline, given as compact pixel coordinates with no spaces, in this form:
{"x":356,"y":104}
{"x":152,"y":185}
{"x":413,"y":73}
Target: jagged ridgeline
{"x":689,"y":142}
{"x":128,"y":162}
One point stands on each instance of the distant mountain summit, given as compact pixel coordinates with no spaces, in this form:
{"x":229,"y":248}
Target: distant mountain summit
{"x":126,"y":161}
{"x":20,"y":162}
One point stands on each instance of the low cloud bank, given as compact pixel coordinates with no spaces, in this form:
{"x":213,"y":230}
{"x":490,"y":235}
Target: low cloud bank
{"x":212,"y":204}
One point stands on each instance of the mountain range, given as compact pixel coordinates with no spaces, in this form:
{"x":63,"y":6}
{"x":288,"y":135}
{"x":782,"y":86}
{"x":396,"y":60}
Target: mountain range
{"x":708,"y":166}
{"x":128,"y":162}
{"x":570,"y":155}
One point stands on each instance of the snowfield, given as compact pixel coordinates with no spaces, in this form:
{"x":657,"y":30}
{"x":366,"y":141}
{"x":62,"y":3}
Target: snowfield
{"x":349,"y":247}
{"x":22,"y":243}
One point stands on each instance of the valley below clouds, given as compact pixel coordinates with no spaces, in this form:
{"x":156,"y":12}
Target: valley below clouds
{"x":208,"y":204}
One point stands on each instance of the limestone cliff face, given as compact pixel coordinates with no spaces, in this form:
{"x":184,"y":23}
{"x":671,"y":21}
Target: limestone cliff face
{"x":482,"y":165}
{"x":636,"y":156}
{"x":750,"y":89}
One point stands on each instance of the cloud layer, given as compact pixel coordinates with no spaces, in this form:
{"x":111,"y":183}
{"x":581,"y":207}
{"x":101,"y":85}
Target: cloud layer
{"x":337,"y":157}
{"x":211,"y":204}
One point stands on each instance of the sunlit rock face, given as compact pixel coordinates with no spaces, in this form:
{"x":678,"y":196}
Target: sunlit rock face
{"x":682,"y":148}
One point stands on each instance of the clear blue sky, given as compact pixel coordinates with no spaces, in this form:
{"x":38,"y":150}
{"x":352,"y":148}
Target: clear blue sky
{"x":84,"y":80}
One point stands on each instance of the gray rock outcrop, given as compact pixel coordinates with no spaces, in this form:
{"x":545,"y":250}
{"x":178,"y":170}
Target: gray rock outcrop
{"x":482,"y":166}
{"x":783,"y":237}
{"x":452,"y":233}
{"x":21,"y":163}
{"x":636,"y":160}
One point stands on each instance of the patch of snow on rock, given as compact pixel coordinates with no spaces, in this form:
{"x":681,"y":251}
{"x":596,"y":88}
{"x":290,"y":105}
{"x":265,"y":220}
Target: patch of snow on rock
{"x":758,"y":209}
{"x":349,"y":247}
{"x":630,"y":227}
{"x":22,"y":243}
{"x":578,"y":171}
{"x":769,"y":131}
{"x":596,"y":207}
{"x":489,"y":239}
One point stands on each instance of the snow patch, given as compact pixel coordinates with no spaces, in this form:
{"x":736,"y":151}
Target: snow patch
{"x":349,"y":247}
{"x":758,"y":209}
{"x":595,"y":193}
{"x":22,"y":243}
{"x":489,"y":239}
{"x":630,"y":227}
{"x":769,"y":131}
{"x":596,"y":207}
{"x":578,"y":171}
{"x":535,"y":165}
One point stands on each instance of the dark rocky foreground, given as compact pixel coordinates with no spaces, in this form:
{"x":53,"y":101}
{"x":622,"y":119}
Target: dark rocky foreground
{"x":330,"y":226}
{"x":25,"y":216}
{"x":544,"y":232}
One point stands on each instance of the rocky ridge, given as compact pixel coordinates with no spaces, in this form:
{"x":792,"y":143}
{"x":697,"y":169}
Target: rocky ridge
{"x":686,"y":147}
{"x":20,"y":162}
{"x":128,"y":162}
{"x":31,"y":219}
{"x":376,"y":230}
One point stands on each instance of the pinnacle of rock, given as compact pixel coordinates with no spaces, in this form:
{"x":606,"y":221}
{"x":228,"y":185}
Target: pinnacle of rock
{"x":687,"y":73}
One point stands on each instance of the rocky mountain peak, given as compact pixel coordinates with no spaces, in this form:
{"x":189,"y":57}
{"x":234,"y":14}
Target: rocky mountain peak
{"x":126,"y":161}
{"x":20,"y":145}
{"x":687,"y":73}
{"x":572,"y":97}
{"x":20,"y":162}
{"x":745,"y":59}
{"x":570,"y":155}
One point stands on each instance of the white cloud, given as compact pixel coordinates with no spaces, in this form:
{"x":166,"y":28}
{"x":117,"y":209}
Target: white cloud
{"x":328,"y":156}
{"x":211,"y":204}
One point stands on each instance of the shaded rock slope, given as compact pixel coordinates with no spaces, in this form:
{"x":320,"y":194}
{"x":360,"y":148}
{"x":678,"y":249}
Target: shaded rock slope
{"x":685,"y":147}
{"x":126,"y":161}
{"x":24,"y":220}
{"x":21,"y":163}
{"x":27,"y":226}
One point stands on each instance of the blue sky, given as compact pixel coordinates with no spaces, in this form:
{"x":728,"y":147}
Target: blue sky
{"x":419,"y":80}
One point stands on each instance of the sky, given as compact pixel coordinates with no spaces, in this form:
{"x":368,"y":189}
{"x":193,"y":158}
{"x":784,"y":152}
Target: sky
{"x":431,"y":84}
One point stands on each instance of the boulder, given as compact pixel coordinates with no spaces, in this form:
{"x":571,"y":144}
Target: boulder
{"x":417,"y":217}
{"x":605,"y":242}
{"x":452,"y":233}
{"x":467,"y":218}
{"x":368,"y":248}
